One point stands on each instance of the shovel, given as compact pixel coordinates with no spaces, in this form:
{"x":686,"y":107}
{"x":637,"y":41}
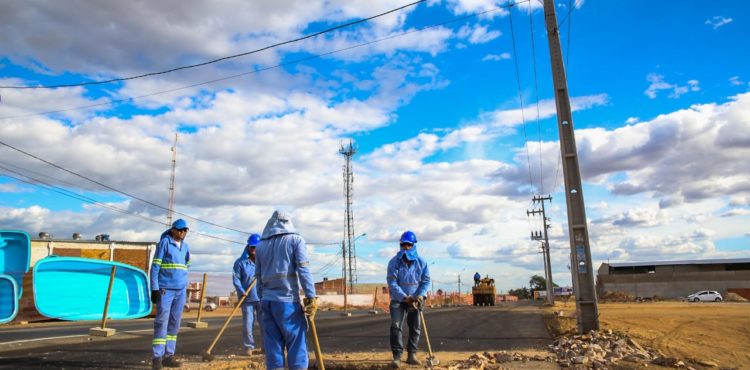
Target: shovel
{"x":431,"y":360}
{"x":207,"y":356}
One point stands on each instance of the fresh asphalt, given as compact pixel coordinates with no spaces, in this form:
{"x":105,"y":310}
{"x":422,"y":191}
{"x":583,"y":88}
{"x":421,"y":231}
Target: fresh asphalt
{"x":67,"y":345}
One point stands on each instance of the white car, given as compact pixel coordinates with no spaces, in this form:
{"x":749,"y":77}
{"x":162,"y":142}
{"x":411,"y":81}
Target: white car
{"x":705,"y":296}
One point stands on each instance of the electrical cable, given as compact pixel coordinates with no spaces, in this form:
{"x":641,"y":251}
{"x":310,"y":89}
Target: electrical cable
{"x":218,"y":59}
{"x":520,"y":98}
{"x":120,"y":191}
{"x":292,"y":62}
{"x":536,"y":93}
{"x":36,"y":182}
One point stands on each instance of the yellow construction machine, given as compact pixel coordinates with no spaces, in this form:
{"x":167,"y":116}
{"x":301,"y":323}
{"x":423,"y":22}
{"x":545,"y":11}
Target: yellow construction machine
{"x":484,"y":292}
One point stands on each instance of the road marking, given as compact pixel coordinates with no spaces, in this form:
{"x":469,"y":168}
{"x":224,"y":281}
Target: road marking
{"x":63,"y":337}
{"x":38,"y":339}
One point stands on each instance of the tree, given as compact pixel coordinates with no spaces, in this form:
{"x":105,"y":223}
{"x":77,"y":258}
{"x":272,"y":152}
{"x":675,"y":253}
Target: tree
{"x":539,"y":283}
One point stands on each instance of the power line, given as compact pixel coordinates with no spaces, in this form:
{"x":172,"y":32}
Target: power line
{"x":520,"y":98}
{"x":536,"y":93}
{"x":292,"y":62}
{"x":120,"y":191}
{"x":219,"y":59}
{"x":60,"y":190}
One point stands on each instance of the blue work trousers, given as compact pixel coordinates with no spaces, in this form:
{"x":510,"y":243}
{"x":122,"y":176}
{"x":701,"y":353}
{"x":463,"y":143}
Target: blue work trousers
{"x":167,"y":321}
{"x":250,"y":314}
{"x":284,"y":327}
{"x":399,"y":311}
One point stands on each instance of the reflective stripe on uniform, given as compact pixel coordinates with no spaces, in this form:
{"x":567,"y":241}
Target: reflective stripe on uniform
{"x":278,"y":277}
{"x":159,"y":341}
{"x":178,"y":266}
{"x":171,"y":338}
{"x":157,"y":261}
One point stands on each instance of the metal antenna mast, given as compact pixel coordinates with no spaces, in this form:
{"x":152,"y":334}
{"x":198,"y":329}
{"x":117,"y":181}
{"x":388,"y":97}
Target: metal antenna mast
{"x":580,"y":255}
{"x":348,"y":151}
{"x":170,"y":202}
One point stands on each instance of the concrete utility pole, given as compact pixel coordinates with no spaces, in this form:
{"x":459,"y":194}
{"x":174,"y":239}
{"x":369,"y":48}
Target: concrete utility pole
{"x":170,"y":202}
{"x":545,"y":245}
{"x":348,"y":152}
{"x":343,"y":254}
{"x":580,"y":257}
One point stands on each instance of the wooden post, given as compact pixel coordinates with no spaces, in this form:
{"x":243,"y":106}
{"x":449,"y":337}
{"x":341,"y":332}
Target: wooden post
{"x":102,"y":331}
{"x":198,"y":324}
{"x":374,"y":302}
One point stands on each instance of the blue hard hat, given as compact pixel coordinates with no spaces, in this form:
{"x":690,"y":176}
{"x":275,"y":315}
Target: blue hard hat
{"x":180,"y":224}
{"x":253,"y":240}
{"x":408,"y":237}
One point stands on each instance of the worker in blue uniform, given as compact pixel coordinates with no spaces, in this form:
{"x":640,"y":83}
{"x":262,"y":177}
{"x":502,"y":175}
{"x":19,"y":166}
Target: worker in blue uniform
{"x":477,"y":278}
{"x":244,"y":273}
{"x":169,"y":279}
{"x":281,"y":266}
{"x":408,"y":282}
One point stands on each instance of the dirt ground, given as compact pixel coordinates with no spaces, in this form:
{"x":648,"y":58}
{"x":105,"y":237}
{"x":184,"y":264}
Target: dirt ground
{"x":716,"y":332}
{"x":359,"y":361}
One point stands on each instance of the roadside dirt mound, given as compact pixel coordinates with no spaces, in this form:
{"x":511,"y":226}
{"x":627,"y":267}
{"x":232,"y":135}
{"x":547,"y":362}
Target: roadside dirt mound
{"x":734,"y":297}
{"x":616,"y":297}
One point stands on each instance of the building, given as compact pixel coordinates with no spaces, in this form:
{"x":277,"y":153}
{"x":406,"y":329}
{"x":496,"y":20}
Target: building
{"x":137,"y":254}
{"x":674,"y":279}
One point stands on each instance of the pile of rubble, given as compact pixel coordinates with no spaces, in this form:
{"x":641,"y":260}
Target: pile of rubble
{"x":602,"y":349}
{"x":495,"y":361}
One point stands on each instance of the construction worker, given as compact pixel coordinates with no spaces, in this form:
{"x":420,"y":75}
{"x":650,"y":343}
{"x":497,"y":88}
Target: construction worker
{"x":281,"y":265}
{"x":408,"y":282}
{"x":477,"y":278}
{"x":244,"y":273}
{"x":169,"y":280}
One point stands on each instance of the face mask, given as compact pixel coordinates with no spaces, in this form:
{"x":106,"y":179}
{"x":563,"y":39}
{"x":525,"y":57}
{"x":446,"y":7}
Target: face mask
{"x":411,"y":254}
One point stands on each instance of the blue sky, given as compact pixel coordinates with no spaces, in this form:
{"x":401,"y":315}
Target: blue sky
{"x":430,"y":94}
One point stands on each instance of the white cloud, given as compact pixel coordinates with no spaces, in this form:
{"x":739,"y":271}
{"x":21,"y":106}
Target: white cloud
{"x":513,"y":117}
{"x":718,"y":21}
{"x":632,"y":120}
{"x":736,"y":212}
{"x":735,"y":81}
{"x":496,"y":57}
{"x":657,"y":84}
{"x":478,"y":34}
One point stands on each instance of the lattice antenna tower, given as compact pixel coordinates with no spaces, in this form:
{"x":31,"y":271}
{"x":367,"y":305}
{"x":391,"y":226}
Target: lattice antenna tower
{"x":170,"y":202}
{"x":349,"y":248}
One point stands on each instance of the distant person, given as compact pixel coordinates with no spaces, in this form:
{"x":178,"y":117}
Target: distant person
{"x":477,"y":278}
{"x":281,"y":265}
{"x":169,"y":280}
{"x":408,"y":281}
{"x":244,"y":273}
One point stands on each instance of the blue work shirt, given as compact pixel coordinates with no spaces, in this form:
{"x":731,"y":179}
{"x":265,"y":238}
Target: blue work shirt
{"x":169,"y":268}
{"x":244,"y":273}
{"x":404,"y":280}
{"x":281,"y":263}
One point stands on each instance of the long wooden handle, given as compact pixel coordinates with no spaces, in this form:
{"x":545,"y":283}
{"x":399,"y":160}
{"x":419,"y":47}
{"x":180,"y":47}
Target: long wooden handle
{"x":226,"y":323}
{"x":318,"y":352}
{"x":426,"y":336}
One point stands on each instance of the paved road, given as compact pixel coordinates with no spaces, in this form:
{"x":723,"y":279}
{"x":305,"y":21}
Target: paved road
{"x":502,"y":327}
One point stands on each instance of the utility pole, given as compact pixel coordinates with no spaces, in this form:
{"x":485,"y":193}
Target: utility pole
{"x":580,"y":256}
{"x":343,"y":253}
{"x":348,"y":152}
{"x":170,"y":202}
{"x":459,"y":289}
{"x":537,"y":235}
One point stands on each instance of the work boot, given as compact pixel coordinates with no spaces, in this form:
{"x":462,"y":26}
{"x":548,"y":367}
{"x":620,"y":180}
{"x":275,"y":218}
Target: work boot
{"x":396,"y":362}
{"x":156,"y":363}
{"x":412,"y":359}
{"x":170,"y":361}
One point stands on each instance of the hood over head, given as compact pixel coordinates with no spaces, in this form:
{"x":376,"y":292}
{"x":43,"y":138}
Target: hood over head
{"x":278,"y":224}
